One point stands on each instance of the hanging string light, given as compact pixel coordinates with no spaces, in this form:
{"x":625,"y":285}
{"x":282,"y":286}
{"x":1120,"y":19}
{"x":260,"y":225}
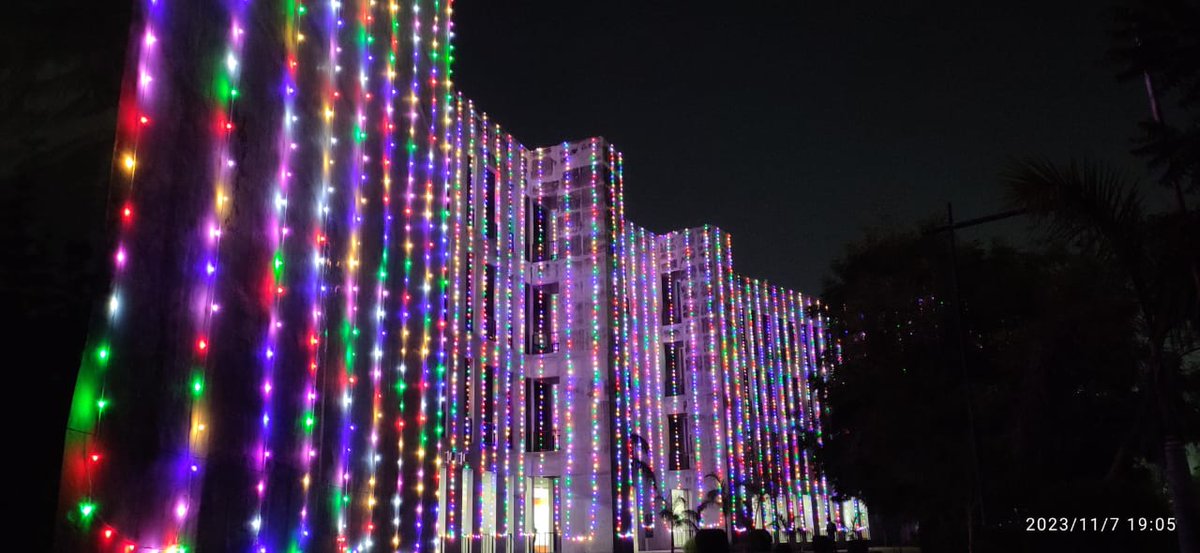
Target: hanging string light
{"x":277,"y":233}
{"x":87,"y":441}
{"x":434,"y":352}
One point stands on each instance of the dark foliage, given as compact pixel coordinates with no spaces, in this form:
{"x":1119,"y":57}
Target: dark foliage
{"x":1161,"y":39}
{"x":1051,"y":355}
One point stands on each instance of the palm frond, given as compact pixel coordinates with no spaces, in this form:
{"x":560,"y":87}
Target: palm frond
{"x":640,"y":468}
{"x":711,"y":497}
{"x":1088,"y":204}
{"x":638,"y":441}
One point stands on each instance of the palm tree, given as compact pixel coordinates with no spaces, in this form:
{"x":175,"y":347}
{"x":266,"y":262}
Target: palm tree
{"x":1100,"y":211}
{"x":677,"y":515}
{"x":643,"y":471}
{"x":714,"y":496}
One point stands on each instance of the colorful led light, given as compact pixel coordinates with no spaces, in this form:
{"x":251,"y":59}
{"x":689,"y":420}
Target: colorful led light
{"x":753,"y":352}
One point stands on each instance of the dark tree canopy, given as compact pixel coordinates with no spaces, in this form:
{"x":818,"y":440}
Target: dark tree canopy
{"x":1051,"y":359}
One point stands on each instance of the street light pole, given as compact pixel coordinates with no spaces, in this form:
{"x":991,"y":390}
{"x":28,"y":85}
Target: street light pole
{"x":976,"y":481}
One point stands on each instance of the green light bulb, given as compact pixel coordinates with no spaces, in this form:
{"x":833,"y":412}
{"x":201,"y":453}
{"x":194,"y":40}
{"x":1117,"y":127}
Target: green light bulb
{"x":87,"y":508}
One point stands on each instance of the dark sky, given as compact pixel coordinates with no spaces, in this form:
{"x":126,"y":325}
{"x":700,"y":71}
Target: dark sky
{"x":796,"y":124}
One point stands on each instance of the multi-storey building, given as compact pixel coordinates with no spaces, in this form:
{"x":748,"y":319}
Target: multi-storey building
{"x":348,"y":312}
{"x":606,"y":371}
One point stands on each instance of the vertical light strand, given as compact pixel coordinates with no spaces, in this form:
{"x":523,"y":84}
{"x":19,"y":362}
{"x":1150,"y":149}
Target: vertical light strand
{"x":594,"y":332}
{"x":691,"y":359}
{"x":317,"y":332}
{"x":652,"y":304}
{"x":568,"y":329}
{"x":520,"y":192}
{"x":277,"y":232}
{"x":639,"y":345}
{"x":431,"y":298}
{"x":553,"y":323}
{"x":730,"y":412}
{"x":438,"y":193}
{"x":712,"y":365}
{"x":225,"y":85}
{"x":456,"y":420}
{"x":506,"y":203}
{"x":738,"y":371}
{"x":420,"y":231}
{"x":761,"y":387}
{"x":778,"y":403}
{"x":621,"y":416}
{"x":781,"y":300}
{"x":357,"y":493}
{"x":442,"y":54}
{"x":387,"y":354}
{"x":85,"y":453}
{"x":407,"y":309}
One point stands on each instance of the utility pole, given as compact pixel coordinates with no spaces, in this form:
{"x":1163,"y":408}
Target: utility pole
{"x":973,"y":450}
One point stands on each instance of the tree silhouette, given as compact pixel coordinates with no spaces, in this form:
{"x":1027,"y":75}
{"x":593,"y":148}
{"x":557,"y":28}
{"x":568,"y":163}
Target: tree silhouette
{"x":1099,"y":211}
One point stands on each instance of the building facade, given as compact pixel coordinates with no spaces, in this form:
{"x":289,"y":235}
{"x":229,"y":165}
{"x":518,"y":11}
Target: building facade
{"x":349,"y":312}
{"x":606,"y":371}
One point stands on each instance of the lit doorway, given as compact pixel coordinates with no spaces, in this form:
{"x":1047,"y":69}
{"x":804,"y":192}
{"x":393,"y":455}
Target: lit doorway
{"x":545,"y":534}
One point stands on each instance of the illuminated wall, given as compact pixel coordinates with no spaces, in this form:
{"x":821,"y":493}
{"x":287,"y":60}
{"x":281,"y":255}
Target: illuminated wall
{"x":266,"y":370}
{"x":348,"y":312}
{"x":617,"y":367}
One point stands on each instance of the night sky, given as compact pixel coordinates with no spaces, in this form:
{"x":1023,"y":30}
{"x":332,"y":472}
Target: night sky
{"x":796,"y":124}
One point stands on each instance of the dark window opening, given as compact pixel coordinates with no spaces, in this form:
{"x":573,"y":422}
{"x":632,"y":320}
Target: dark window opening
{"x":470,"y":184}
{"x":672,"y":297}
{"x":468,"y":290}
{"x":468,"y":422}
{"x":538,"y":238}
{"x":539,"y":318}
{"x":677,"y":432}
{"x":768,"y":335}
{"x":789,"y":337}
{"x":489,"y":202}
{"x":539,"y":424}
{"x":489,"y":301}
{"x":673,"y":369}
{"x":487,"y":411}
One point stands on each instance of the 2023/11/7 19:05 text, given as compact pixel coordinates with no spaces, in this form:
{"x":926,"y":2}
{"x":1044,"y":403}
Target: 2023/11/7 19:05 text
{"x":1099,"y":524}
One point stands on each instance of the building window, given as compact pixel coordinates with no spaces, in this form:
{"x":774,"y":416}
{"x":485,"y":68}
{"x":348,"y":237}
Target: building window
{"x":489,"y":202}
{"x":539,"y":405}
{"x":672,"y":297}
{"x":487,"y":410}
{"x":468,"y":421}
{"x":489,"y":301}
{"x":468,"y":289}
{"x":673,"y":369}
{"x":768,"y":334}
{"x":539,"y":244}
{"x":677,"y":432}
{"x":789,"y":337}
{"x":469,"y":269}
{"x":539,"y":318}
{"x":470,"y":180}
